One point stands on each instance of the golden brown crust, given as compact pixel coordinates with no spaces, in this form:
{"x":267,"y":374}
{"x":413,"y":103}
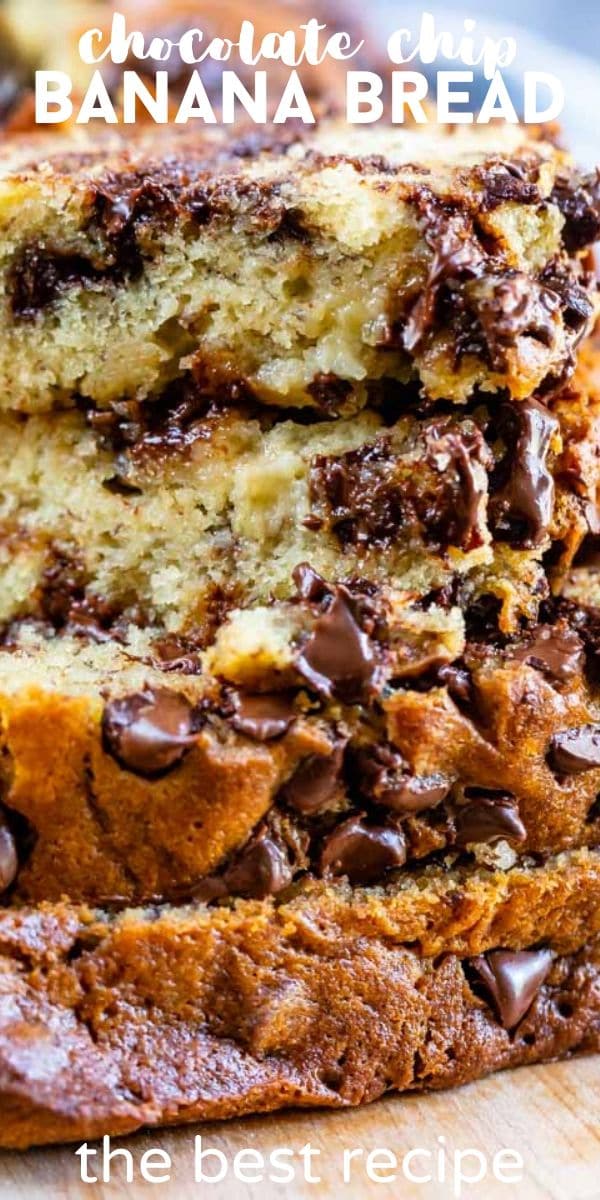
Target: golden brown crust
{"x":173,"y":1017}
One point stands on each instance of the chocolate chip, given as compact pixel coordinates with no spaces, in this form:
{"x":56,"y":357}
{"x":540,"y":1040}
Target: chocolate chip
{"x":261,"y":869}
{"x":143,"y":430}
{"x":173,"y":653}
{"x":576,"y":750}
{"x":89,"y":622}
{"x":62,"y":584}
{"x":511,"y":980}
{"x":512,"y":306}
{"x":149,"y":732}
{"x":585,"y":619}
{"x":38,"y":277}
{"x":338,"y":659}
{"x":416,"y":793}
{"x":329,"y":391}
{"x":457,"y":257}
{"x":315,"y":781}
{"x":9,"y":861}
{"x":359,"y":495}
{"x":363,"y":852}
{"x":555,"y":650}
{"x":263,"y":717}
{"x":486,"y":820}
{"x":311,"y":586}
{"x":205,"y":891}
{"x":457,"y":680}
{"x":571,"y":284}
{"x":384,"y":779}
{"x":488,"y":313}
{"x":366,"y":496}
{"x":521,"y":511}
{"x":578,"y":198}
{"x":460,"y":452}
{"x":506,"y":182}
{"x":119,"y":204}
{"x":264,"y":866}
{"x":67,"y":604}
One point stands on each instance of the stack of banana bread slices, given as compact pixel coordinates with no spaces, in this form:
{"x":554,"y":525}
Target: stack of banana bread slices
{"x":300,"y":653}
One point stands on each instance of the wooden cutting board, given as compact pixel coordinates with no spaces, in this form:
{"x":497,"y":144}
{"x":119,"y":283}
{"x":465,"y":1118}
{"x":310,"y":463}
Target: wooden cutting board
{"x":550,"y":1115}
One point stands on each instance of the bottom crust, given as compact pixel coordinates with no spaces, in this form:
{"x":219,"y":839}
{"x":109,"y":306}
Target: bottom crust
{"x":163,"y":1016}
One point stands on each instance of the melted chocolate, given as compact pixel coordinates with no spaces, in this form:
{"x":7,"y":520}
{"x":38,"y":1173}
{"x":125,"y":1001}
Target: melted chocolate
{"x":358,"y":496}
{"x":486,"y":820}
{"x":511,"y":980}
{"x":263,"y":717}
{"x":338,"y":659}
{"x":139,"y":430}
{"x":578,"y":198}
{"x":63,"y":585}
{"x":569,"y":282}
{"x":363,"y":852}
{"x":522,"y":509}
{"x":469,"y":288}
{"x":575,"y":750}
{"x":368,"y":495}
{"x":329,"y":392}
{"x":554,"y":649}
{"x":118,"y":207}
{"x":514,"y":306}
{"x":585,"y":620}
{"x":180,"y":654}
{"x":122,"y":204}
{"x":261,"y":869}
{"x":38,"y":277}
{"x":315,"y":782}
{"x":457,"y":257}
{"x":311,"y":586}
{"x":509,"y":183}
{"x":67,"y":605}
{"x":417,"y":793}
{"x":384,"y":779}
{"x":459,"y":452}
{"x":588,"y":554}
{"x":457,"y":679}
{"x":149,"y":733}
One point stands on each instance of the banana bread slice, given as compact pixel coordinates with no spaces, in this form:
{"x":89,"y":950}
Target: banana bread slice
{"x":176,"y":517}
{"x":301,"y":269}
{"x":127,"y":778}
{"x":163,"y":1016}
